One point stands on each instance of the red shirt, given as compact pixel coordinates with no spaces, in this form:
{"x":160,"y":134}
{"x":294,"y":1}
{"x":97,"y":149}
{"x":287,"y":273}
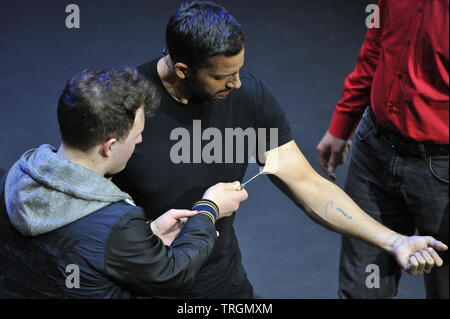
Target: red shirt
{"x":402,"y":72}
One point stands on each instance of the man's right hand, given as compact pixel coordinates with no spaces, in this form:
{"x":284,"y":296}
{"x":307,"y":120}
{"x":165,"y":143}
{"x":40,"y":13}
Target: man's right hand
{"x":227,"y":197}
{"x":332,"y":152}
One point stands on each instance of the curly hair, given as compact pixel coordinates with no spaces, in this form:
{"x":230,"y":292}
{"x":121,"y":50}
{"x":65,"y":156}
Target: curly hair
{"x":97,"y":105}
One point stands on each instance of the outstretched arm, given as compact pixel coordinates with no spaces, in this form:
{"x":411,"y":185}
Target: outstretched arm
{"x":327,"y":204}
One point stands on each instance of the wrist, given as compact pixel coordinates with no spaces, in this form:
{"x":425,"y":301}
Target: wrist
{"x":392,"y":242}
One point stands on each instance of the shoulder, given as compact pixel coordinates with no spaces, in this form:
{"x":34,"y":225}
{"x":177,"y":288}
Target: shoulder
{"x":252,"y":87}
{"x":100,"y":223}
{"x":250,"y":82}
{"x":131,"y":219}
{"x":148,"y":69}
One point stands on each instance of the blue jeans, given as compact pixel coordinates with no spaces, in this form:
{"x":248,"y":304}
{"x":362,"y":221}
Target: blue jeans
{"x":405,"y":193}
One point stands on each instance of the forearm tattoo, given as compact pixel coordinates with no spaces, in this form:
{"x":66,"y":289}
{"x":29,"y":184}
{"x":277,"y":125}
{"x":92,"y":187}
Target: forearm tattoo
{"x":330,"y":206}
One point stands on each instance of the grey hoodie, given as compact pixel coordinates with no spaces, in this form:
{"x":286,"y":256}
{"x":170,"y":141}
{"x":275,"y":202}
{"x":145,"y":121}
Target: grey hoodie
{"x":44,"y":191}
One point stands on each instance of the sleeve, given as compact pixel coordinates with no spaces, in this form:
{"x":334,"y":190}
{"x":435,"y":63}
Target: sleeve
{"x":271,"y":117}
{"x":139,"y":261}
{"x":358,"y":84}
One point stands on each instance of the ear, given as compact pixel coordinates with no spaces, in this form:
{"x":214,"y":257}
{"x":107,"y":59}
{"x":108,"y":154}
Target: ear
{"x":106,"y":148}
{"x":181,"y":69}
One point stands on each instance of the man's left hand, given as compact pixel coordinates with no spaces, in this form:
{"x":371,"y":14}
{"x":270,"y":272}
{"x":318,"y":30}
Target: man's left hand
{"x":417,"y":254}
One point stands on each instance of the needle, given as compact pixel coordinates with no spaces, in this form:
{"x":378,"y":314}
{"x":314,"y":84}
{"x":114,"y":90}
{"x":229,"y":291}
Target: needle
{"x":243,"y":184}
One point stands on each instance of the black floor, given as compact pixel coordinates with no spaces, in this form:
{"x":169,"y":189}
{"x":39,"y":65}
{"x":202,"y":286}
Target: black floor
{"x":302,"y":49}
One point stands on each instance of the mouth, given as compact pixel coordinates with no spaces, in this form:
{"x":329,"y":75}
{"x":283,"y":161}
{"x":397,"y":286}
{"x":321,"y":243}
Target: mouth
{"x":224,"y":93}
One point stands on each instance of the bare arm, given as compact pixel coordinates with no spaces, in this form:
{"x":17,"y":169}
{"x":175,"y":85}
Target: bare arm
{"x":327,"y":204}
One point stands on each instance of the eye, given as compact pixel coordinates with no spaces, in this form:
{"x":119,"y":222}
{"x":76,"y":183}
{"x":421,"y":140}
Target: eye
{"x":219,"y":78}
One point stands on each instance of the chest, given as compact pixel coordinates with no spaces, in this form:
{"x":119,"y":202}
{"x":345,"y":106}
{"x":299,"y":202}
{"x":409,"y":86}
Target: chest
{"x":186,"y":150}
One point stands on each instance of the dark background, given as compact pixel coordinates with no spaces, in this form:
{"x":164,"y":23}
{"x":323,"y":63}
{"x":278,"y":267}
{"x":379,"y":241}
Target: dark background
{"x":302,"y":49}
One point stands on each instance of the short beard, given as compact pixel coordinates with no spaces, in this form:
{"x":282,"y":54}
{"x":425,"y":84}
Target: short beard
{"x":197,"y":93}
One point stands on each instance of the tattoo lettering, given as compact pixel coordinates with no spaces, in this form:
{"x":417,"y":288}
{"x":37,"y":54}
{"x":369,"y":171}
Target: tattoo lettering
{"x":330,"y":206}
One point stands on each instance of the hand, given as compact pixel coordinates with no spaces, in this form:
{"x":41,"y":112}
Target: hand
{"x":227,"y":197}
{"x":168,"y":225}
{"x":417,"y":254}
{"x":332,"y":152}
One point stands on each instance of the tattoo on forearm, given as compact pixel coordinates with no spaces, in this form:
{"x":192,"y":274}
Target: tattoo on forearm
{"x":330,"y":206}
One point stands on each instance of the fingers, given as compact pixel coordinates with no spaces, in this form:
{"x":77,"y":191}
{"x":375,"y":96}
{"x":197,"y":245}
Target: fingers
{"x":332,"y":166}
{"x":243,"y":195}
{"x":181,"y":213}
{"x":236,"y":185}
{"x":241,"y":192}
{"x":323,"y":157}
{"x":437,"y":259}
{"x":231,"y":186}
{"x":422,"y":253}
{"x":413,"y":265}
{"x":429,"y":261}
{"x":423,"y":261}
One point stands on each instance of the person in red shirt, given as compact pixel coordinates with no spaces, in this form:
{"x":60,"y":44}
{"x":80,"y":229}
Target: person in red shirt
{"x":398,"y":170}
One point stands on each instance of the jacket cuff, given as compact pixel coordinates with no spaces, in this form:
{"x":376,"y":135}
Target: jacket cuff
{"x":207,"y":207}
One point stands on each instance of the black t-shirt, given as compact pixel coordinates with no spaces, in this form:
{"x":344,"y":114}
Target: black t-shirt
{"x":158,"y":184}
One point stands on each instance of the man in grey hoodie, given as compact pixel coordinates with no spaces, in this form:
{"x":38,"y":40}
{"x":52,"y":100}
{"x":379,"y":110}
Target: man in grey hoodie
{"x":68,"y":231}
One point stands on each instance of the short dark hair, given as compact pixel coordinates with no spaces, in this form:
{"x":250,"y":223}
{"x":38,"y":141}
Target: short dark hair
{"x":97,"y":105}
{"x":200,"y":30}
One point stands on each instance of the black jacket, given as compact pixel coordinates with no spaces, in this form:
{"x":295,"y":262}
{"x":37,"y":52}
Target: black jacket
{"x":114,"y":249}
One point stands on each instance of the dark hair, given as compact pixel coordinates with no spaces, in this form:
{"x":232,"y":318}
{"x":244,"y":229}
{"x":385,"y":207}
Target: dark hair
{"x":200,"y":30}
{"x":97,"y":105}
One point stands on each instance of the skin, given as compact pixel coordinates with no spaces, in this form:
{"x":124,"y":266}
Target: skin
{"x":214,"y":82}
{"x":331,"y":207}
{"x":110,"y":157}
{"x":332,"y":152}
{"x":323,"y":201}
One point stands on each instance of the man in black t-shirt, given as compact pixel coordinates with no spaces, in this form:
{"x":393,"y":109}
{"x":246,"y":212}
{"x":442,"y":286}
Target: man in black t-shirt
{"x":210,"y":111}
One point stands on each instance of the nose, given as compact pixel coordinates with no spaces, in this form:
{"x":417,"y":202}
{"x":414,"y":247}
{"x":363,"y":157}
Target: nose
{"x":235,"y":83}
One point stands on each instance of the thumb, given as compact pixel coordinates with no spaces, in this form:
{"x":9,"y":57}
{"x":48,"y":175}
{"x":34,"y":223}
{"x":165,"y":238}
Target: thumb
{"x":436,"y":244}
{"x":324,"y":157}
{"x":182,"y":213}
{"x":332,"y":166}
{"x":233,"y":186}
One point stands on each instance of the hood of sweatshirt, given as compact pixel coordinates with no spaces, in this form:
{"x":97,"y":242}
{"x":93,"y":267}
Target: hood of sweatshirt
{"x":44,"y":191}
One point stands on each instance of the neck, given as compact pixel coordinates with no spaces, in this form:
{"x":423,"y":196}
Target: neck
{"x":173,"y":84}
{"x":87,"y":160}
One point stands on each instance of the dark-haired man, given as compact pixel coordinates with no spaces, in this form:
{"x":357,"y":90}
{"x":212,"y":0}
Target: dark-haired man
{"x":68,"y":232}
{"x":200,"y":80}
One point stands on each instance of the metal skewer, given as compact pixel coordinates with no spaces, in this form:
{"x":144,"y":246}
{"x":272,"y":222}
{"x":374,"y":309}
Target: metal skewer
{"x":243,"y":184}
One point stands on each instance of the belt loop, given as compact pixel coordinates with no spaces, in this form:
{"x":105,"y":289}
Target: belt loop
{"x":421,"y":150}
{"x":373,"y":120}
